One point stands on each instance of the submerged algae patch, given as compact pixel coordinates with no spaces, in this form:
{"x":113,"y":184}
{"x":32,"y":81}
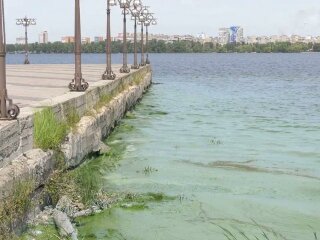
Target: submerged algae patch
{"x":128,"y":203}
{"x":160,"y":197}
{"x":126,"y":128}
{"x":110,"y":233}
{"x":141,"y":201}
{"x":130,"y":115}
{"x":228,"y":165}
{"x":149,"y":197}
{"x":253,"y":230}
{"x":134,"y":206}
{"x":158,"y":113}
{"x":41,"y":232}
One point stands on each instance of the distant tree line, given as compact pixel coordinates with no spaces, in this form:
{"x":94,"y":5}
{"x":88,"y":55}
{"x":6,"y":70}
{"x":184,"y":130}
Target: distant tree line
{"x":174,"y":47}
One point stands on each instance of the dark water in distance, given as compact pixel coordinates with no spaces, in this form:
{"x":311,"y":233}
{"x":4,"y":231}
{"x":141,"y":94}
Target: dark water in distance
{"x":239,"y":140}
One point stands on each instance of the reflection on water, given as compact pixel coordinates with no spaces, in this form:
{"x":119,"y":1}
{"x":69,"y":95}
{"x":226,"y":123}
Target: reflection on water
{"x":234,"y":136}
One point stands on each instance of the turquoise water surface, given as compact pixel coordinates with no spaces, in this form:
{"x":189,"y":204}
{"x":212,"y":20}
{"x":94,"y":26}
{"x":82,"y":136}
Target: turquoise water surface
{"x":235,"y":137}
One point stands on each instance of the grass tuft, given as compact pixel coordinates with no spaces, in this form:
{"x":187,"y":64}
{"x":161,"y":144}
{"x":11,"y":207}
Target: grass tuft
{"x":72,"y":118}
{"x":13,"y":209}
{"x":88,"y":180}
{"x":104,"y":100}
{"x":84,"y":183}
{"x":49,"y":132}
{"x":41,"y":232}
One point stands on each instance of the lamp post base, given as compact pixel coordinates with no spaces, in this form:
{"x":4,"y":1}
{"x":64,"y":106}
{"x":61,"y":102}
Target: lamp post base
{"x":108,"y":75}
{"x":147,"y":60}
{"x":12,"y":111}
{"x":78,"y":87}
{"x":135,"y":66}
{"x":124,"y":69}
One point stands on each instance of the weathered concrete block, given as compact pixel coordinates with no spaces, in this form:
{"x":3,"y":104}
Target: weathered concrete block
{"x":9,"y":141}
{"x":63,"y":223}
{"x":57,"y":109}
{"x":26,"y":133}
{"x":35,"y":165}
{"x":82,"y":142}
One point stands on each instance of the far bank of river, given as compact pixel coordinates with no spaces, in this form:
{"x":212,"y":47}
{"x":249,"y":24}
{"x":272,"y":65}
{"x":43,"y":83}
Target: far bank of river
{"x":181,"y":46}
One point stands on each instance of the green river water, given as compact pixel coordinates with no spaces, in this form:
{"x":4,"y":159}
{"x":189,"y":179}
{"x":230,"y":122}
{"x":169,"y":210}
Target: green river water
{"x":234,"y":138}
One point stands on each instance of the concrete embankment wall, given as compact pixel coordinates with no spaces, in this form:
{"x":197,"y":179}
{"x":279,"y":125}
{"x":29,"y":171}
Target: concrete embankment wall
{"x":19,"y":159}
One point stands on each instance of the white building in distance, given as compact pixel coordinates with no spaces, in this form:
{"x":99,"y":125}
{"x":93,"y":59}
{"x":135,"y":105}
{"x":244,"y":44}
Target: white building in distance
{"x":281,"y":38}
{"x":98,"y":39}
{"x":224,"y":36}
{"x":85,"y":40}
{"x":43,"y":37}
{"x":20,"y":40}
{"x":203,"y":38}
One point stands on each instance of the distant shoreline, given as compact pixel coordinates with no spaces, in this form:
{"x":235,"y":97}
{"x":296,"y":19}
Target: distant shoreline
{"x":175,"y":47}
{"x":219,"y":53}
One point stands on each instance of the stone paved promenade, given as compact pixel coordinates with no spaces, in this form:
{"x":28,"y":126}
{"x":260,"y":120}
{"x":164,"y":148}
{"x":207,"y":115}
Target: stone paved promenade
{"x":30,"y":84}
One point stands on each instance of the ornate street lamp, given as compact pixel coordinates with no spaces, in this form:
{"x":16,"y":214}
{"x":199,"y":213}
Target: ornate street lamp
{"x":78,"y":84}
{"x":135,"y":12}
{"x":26,"y":22}
{"x":11,"y":111}
{"x":125,"y":5}
{"x":142,"y":18}
{"x":108,"y":74}
{"x":150,"y":21}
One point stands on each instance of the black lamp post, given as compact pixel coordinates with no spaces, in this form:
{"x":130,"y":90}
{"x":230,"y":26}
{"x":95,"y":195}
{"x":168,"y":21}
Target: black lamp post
{"x":142,"y":18}
{"x":10,"y":111}
{"x":78,"y":84}
{"x":26,"y":22}
{"x":125,"y":5}
{"x":135,"y":12}
{"x":108,"y":74}
{"x":150,"y":21}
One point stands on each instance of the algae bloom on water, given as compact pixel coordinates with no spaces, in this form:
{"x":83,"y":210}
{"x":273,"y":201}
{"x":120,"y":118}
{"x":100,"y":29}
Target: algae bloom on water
{"x":237,"y":144}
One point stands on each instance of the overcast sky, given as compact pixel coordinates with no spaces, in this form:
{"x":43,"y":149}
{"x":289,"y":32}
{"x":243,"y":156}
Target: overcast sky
{"x":258,"y":17}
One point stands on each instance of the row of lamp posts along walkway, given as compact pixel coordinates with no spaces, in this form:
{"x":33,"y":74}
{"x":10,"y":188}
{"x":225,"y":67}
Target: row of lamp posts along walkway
{"x":139,"y":13}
